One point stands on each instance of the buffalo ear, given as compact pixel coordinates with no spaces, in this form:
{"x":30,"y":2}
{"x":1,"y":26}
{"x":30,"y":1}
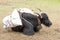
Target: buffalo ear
{"x":43,"y":15}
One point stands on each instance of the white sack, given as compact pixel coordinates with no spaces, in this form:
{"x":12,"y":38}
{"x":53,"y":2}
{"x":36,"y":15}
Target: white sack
{"x":14,"y":19}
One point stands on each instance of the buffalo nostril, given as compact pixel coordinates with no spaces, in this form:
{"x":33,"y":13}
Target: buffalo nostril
{"x":50,"y":23}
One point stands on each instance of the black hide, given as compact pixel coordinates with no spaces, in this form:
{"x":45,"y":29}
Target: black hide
{"x":30,"y":24}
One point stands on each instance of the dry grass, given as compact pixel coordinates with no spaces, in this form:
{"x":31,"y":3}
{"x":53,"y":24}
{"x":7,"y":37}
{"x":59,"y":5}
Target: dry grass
{"x":51,"y":8}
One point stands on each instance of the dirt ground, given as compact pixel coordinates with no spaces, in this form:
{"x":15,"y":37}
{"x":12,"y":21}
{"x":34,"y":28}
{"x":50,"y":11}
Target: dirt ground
{"x":50,"y":7}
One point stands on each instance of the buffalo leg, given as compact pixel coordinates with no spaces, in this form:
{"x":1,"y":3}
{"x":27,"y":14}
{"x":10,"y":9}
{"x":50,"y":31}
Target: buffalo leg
{"x":28,"y":27}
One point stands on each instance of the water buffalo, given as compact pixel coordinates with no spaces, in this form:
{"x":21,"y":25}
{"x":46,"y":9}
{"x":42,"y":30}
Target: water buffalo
{"x":23,"y":20}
